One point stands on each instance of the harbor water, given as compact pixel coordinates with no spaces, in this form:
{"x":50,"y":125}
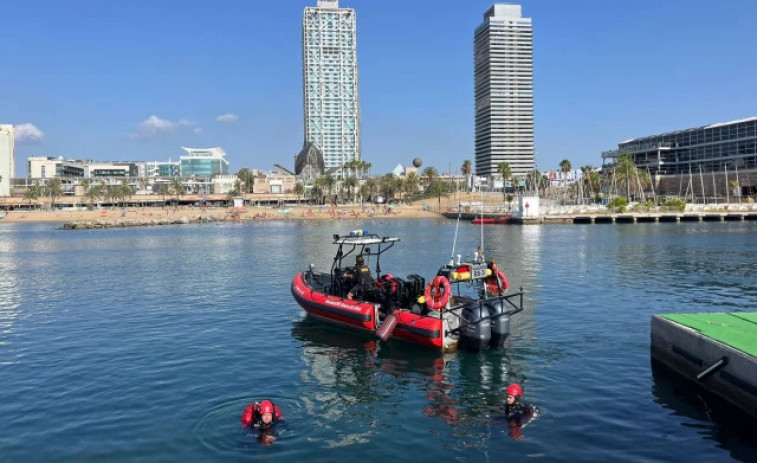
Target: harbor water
{"x":145,"y":344}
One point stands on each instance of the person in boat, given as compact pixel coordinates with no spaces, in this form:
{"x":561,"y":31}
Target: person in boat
{"x":517,"y":412}
{"x":263,"y":417}
{"x":361,"y":277}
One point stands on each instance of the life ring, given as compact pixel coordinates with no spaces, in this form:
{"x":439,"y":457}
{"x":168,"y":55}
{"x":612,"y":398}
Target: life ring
{"x":497,"y":283}
{"x":436,"y":299}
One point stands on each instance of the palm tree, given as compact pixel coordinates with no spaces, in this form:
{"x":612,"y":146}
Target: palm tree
{"x":411,"y":183}
{"x":371,"y":184}
{"x":466,"y":170}
{"x":430,"y":173}
{"x":125,"y":191}
{"x":389,"y":186}
{"x":437,"y":188}
{"x":299,"y":190}
{"x":32,"y":193}
{"x":163,"y":191}
{"x":329,"y":182}
{"x":91,"y":193}
{"x":54,"y":189}
{"x":504,"y":169}
{"x":247,"y":179}
{"x":349,"y":183}
{"x":177,"y":187}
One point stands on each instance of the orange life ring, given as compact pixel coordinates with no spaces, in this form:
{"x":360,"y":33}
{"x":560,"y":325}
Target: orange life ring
{"x":435,"y":298}
{"x":497,"y":283}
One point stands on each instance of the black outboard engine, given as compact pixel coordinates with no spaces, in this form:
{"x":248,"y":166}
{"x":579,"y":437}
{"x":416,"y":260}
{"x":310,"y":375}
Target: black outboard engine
{"x":476,"y":327}
{"x":499,"y":321}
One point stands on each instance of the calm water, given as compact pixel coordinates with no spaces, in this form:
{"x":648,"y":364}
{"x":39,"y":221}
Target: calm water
{"x":146,"y":344}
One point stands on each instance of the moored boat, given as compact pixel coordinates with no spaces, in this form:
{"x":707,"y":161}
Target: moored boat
{"x":465,"y":304}
{"x":501,"y":220}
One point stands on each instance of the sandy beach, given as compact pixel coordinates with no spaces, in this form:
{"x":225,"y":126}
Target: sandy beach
{"x":247,"y":213}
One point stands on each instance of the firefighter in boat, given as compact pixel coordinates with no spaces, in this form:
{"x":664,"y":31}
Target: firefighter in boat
{"x":263,"y":417}
{"x":360,"y":276}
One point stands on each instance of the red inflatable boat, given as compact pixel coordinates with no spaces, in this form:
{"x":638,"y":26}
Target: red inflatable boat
{"x":433,"y":315}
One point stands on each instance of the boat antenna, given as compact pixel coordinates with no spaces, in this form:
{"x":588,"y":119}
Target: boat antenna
{"x":457,"y":226}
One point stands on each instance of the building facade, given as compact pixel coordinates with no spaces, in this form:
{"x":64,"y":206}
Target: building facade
{"x":330,"y":82}
{"x":203,"y":162}
{"x":704,"y":160}
{"x":7,"y":158}
{"x":504,"y":104}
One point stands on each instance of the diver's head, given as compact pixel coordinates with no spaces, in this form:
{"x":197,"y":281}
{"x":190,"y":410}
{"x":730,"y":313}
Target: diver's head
{"x":360,"y":260}
{"x":266,"y":411}
{"x":513,"y":394}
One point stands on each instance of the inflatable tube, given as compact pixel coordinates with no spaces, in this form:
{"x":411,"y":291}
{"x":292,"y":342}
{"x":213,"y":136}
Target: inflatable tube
{"x":387,"y":328}
{"x":497,"y":283}
{"x":435,"y":299}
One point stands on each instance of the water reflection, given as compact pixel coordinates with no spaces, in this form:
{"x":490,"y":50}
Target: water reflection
{"x":712,"y":418}
{"x":360,"y":378}
{"x":10,"y":299}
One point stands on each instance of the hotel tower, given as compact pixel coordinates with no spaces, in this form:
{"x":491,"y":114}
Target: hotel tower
{"x":6,"y":159}
{"x":330,"y":82}
{"x":504,"y":106}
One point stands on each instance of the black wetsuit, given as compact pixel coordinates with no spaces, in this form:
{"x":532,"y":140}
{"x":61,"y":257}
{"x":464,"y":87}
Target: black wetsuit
{"x":362,"y":277}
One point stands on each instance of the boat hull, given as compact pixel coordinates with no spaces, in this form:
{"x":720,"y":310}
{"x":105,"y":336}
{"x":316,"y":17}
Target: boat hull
{"x":361,"y":315}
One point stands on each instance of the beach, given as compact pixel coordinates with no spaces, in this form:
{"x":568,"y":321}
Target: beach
{"x":219,"y":213}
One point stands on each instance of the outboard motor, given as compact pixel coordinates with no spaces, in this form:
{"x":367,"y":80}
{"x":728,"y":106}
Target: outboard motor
{"x":476,"y":332}
{"x":499,"y":321}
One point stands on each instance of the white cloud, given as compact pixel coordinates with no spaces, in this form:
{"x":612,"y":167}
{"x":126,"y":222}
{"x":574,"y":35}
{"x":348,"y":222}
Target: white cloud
{"x":154,"y":126}
{"x":227,"y":118}
{"x":27,"y":133}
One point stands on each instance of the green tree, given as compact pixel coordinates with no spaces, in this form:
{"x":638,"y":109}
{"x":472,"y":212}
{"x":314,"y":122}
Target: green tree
{"x":430,"y":173}
{"x":466,"y":169}
{"x":350,"y":183}
{"x":54,"y":190}
{"x":411,"y":183}
{"x":247,"y":179}
{"x":125,"y":191}
{"x":32,"y":193}
{"x":177,"y":187}
{"x":437,"y":188}
{"x":504,"y":169}
{"x":329,"y":182}
{"x":299,"y":190}
{"x":389,"y":186}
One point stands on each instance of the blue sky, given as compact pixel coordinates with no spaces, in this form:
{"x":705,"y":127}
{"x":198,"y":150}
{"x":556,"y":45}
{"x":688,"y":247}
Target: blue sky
{"x":136,"y":80}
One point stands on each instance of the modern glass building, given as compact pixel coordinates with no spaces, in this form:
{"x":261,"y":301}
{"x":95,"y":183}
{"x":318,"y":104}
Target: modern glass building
{"x":203,"y":162}
{"x":725,"y":146}
{"x":330,"y":82}
{"x":504,"y":103}
{"x":7,"y":159}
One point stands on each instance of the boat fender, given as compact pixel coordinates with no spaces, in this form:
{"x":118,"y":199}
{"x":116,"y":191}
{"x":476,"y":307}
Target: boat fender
{"x":387,"y":327}
{"x":437,"y":293}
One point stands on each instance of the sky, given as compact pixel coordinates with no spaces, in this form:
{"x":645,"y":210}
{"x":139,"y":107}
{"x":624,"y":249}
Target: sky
{"x":137,"y":80}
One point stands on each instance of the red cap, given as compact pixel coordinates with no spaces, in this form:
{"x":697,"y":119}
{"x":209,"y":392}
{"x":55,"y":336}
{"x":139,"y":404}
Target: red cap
{"x":514,"y":390}
{"x":266,"y":406}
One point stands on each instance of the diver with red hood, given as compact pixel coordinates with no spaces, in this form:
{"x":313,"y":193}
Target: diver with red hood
{"x":517,"y":411}
{"x":264,"y":417}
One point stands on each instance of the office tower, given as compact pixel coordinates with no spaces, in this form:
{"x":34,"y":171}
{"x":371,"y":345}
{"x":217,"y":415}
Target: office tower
{"x":330,"y":82}
{"x":504,"y":105}
{"x":7,"y":159}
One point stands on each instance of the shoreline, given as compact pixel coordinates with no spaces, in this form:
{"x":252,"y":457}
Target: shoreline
{"x":152,"y":214}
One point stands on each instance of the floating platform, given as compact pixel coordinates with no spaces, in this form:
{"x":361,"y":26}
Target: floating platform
{"x":718,"y":351}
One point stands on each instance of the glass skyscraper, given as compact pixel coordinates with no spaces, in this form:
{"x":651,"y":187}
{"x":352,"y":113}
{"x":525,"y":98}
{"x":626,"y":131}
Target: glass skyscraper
{"x":504,"y":103}
{"x":330,"y":82}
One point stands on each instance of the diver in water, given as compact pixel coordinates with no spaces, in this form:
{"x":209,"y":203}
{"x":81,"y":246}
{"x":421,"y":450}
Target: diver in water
{"x":517,"y":412}
{"x":264,"y":417}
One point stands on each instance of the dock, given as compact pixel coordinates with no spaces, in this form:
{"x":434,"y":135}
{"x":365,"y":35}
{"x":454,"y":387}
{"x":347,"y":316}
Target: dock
{"x":717,"y":351}
{"x":618,"y":218}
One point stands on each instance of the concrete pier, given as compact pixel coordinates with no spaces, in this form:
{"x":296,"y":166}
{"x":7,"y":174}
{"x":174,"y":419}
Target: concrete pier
{"x":718,"y":351}
{"x":614,"y":218}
